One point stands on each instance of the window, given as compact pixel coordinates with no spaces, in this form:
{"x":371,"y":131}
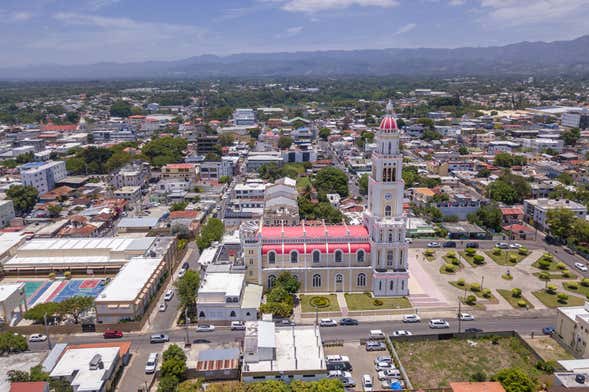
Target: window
{"x":294,"y":256}
{"x":360,"y":256}
{"x":390,"y":257}
{"x":271,"y":281}
{"x":387,"y":211}
{"x":338,"y":256}
{"x":316,"y":256}
{"x":392,"y":285}
{"x":201,"y":314}
{"x":271,"y":257}
{"x":232,"y":314}
{"x":402,"y":285}
{"x":361,"y":280}
{"x":390,"y":236}
{"x":316,"y":280}
{"x":339,"y":278}
{"x":229,"y":300}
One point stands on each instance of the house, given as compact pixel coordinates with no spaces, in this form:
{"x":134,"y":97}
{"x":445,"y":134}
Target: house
{"x":464,"y":231}
{"x":572,"y":328}
{"x":185,"y":171}
{"x":536,"y":210}
{"x":30,"y":386}
{"x":6,"y":212}
{"x":129,"y":193}
{"x":511,"y":215}
{"x":12,"y":301}
{"x":133,"y":174}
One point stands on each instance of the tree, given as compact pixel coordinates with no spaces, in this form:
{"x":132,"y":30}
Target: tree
{"x":167,"y":383}
{"x":463,"y":150}
{"x":12,"y":342}
{"x":120,"y":109}
{"x":561,"y":221}
{"x":213,"y":230}
{"x":279,"y":294}
{"x":363,"y":184}
{"x":515,"y":380}
{"x":288,"y":281}
{"x":54,"y":210}
{"x":187,"y":288}
{"x":36,"y":373}
{"x":571,"y":136}
{"x":164,"y":150}
{"x":224,"y":179}
{"x":488,"y":216}
{"x":324,"y":133}
{"x":284,"y":142}
{"x":331,"y":180}
{"x":190,"y":386}
{"x":179,"y":206}
{"x":37,"y":312}
{"x":226,"y":139}
{"x":24,"y":198}
{"x":277,"y":309}
{"x":76,"y":305}
{"x":484,"y":173}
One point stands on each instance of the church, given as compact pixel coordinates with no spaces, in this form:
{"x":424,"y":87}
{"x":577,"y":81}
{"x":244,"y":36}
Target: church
{"x":372,"y":257}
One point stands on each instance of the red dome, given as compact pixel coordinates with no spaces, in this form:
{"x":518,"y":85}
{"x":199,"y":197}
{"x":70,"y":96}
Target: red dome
{"x":388,"y":123}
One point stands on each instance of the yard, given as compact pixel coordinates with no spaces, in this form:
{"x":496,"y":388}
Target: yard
{"x":505,"y":257}
{"x":515,"y":301}
{"x":325,"y":303}
{"x":365,"y":301}
{"x":551,"y":300}
{"x":548,"y":348}
{"x":435,"y":363}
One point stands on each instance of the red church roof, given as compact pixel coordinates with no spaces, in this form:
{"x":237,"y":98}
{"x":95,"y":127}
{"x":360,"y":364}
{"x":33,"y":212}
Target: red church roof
{"x":314,"y":232}
{"x":388,"y":123}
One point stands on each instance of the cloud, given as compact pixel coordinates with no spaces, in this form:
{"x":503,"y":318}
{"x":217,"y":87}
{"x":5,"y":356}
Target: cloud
{"x":15,"y":16}
{"x":456,"y":2}
{"x":96,"y":5}
{"x":405,"y":28}
{"x":290,"y":32}
{"x":520,"y":12}
{"x":311,"y":6}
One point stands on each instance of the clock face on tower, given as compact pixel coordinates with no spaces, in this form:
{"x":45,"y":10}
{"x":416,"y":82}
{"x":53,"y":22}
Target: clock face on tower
{"x":388,"y":196}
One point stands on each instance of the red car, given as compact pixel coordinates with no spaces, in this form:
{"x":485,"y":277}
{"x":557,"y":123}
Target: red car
{"x":112,"y":334}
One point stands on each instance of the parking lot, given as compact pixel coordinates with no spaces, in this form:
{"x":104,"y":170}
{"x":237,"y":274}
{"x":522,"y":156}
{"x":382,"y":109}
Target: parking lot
{"x":362,"y":362}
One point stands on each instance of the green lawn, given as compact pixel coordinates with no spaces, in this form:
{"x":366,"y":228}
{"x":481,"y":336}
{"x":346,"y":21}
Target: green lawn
{"x":306,"y":306}
{"x":514,"y":301}
{"x":366,"y":302}
{"x":582,"y":290}
{"x":503,"y":258}
{"x":551,"y":301}
{"x":429,"y":258}
{"x":469,"y":259}
{"x":436,"y":363}
{"x":491,"y":300}
{"x":556,"y":275}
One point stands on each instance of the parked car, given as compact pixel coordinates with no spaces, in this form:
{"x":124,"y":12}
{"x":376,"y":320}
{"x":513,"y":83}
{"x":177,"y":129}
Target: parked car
{"x":284,"y":322}
{"x":371,"y":345}
{"x":326,"y":322}
{"x":383,"y":366}
{"x":348,"y":382}
{"x":367,"y":383}
{"x":438,"y":324}
{"x":411,"y":318}
{"x":465,"y":316}
{"x":376,"y":334}
{"x":383,"y":358}
{"x":181,"y":272}
{"x":151,"y":363}
{"x":388,"y":373}
{"x":348,"y":321}
{"x":169,"y":295}
{"x":433,"y":245}
{"x":159,"y":338}
{"x":552,"y":240}
{"x":568,"y":250}
{"x":185,"y":266}
{"x":205,"y":328}
{"x":201,"y":341}
{"x":581,"y":267}
{"x":473,"y":330}
{"x":37,"y":337}
{"x":237,"y":326}
{"x":163,"y":306}
{"x":449,"y":244}
{"x":401,"y":332}
{"x":112,"y":334}
{"x":474,"y":245}
{"x":502,"y":245}
{"x":408,"y":240}
{"x":515,"y":245}
{"x":548,"y":330}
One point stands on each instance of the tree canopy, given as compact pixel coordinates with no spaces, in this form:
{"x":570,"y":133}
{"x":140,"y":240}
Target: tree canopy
{"x":187,"y":288}
{"x":213,"y":230}
{"x":331,"y":180}
{"x":164,"y":150}
{"x":505,"y":159}
{"x":284,"y":142}
{"x":515,"y":380}
{"x":120,"y":108}
{"x":24,"y":198}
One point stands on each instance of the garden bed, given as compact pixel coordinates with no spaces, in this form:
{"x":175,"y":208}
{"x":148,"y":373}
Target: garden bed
{"x":328,"y":303}
{"x":551,"y":300}
{"x":470,"y":259}
{"x":504,"y":257}
{"x":513,"y":301}
{"x":365,"y":301}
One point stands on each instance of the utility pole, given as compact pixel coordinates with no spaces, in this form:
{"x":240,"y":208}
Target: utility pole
{"x":186,"y":321}
{"x":459,"y":319}
{"x":47,"y":330}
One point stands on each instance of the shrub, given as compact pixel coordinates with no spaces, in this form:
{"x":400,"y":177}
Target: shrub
{"x":449,"y":268}
{"x":479,"y":376}
{"x":319,"y":302}
{"x":455,"y":262}
{"x":522,"y":304}
{"x":585,"y":282}
{"x":572,"y":285}
{"x":451,"y":255}
{"x":522,"y":251}
{"x":377,"y":302}
{"x":567,"y":274}
{"x":51,"y":276}
{"x":507,"y":277}
{"x":516,"y":293}
{"x":562,"y":298}
{"x":470,"y":251}
{"x":546,"y":366}
{"x":471,"y":300}
{"x":544,"y":264}
{"x":551,"y":289}
{"x":512,"y":258}
{"x":460,"y":282}
{"x":476,"y":287}
{"x":478,"y":259}
{"x":486,"y":293}
{"x":547,"y":257}
{"x":497,"y":252}
{"x":561,"y":266}
{"x":429,"y":253}
{"x":544,"y":276}
{"x":67,"y":274}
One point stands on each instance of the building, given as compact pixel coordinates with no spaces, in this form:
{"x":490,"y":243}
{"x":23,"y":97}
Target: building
{"x":29,"y":386}
{"x":214,"y":170}
{"x":249,"y":190}
{"x":576,"y":119}
{"x":206,"y":144}
{"x":133,"y":174}
{"x":280,"y":203}
{"x":257,"y":159}
{"x":572,"y":328}
{"x":225,"y":296}
{"x":536,"y":210}
{"x":356,"y":258}
{"x":6,"y":212}
{"x":129,"y":193}
{"x":185,"y":171}
{"x":244,"y":117}
{"x":12,"y":301}
{"x":43,"y":176}
{"x":282,"y":353}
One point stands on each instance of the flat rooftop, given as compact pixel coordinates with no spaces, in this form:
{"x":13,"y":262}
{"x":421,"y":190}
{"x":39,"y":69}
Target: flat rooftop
{"x":79,"y":360}
{"x":130,"y":280}
{"x":6,"y":290}
{"x":222,"y":282}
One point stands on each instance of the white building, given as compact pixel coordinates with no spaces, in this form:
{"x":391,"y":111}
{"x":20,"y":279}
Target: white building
{"x":572,"y":327}
{"x":536,"y":210}
{"x":130,"y":193}
{"x":135,"y":174}
{"x":44,"y":176}
{"x":244,"y":117}
{"x":540,"y":144}
{"x":226,"y":296}
{"x":12,"y":298}
{"x":576,"y":119}
{"x":282,"y":353}
{"x":250,"y":190}
{"x":6,"y":212}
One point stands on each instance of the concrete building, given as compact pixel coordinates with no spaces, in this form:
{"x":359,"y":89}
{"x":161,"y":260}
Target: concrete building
{"x":257,"y":159}
{"x":282,"y":353}
{"x":185,"y":171}
{"x":572,"y":328}
{"x":244,"y":117}
{"x":129,"y":193}
{"x":43,"y":176}
{"x":225,"y":296}
{"x":280,"y":203}
{"x":12,"y":301}
{"x":536,"y":210}
{"x":6,"y":212}
{"x":133,"y":174}
{"x":576,"y":119}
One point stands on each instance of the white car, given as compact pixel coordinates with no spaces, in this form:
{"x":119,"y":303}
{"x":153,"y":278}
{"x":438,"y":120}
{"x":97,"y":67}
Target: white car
{"x":163,"y":307}
{"x":502,"y":245}
{"x":515,"y":245}
{"x":438,"y":324}
{"x":151,"y":363}
{"x":465,"y":316}
{"x":411,"y":318}
{"x":205,"y":328}
{"x":408,"y":240}
{"x":237,"y":326}
{"x":37,"y":337}
{"x":366,"y":383}
{"x":402,"y":332}
{"x":169,"y":295}
{"x":383,"y":358}
{"x":388,"y":373}
{"x":326,"y":322}
{"x":433,"y":245}
{"x":383,"y":366}
{"x":181,"y":272}
{"x":581,"y":267}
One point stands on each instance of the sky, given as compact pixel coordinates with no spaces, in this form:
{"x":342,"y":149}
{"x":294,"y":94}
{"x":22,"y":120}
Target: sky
{"x":92,"y":31}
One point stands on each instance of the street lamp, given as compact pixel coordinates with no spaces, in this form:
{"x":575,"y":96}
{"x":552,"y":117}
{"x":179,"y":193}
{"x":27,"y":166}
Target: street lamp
{"x":47,"y":330}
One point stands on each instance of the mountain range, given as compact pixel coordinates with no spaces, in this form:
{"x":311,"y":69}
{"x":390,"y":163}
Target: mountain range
{"x":523,"y":58}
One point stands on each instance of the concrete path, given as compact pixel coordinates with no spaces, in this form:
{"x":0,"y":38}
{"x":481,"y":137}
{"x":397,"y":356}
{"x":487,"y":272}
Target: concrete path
{"x":343,"y":305}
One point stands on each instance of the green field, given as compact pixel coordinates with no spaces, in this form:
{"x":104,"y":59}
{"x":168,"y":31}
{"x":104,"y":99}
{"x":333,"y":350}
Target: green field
{"x":551,"y":300}
{"x":503,"y":258}
{"x":512,"y":300}
{"x":366,"y":302}
{"x":307,"y":307}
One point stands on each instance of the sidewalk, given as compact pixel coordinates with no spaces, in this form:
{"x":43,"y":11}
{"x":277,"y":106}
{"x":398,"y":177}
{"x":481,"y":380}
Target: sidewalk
{"x":343,"y":305}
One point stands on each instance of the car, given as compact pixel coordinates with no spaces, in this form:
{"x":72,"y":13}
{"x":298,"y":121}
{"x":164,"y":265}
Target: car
{"x":552,"y":240}
{"x":169,"y":295}
{"x":408,"y":241}
{"x":37,"y":337}
{"x":438,"y":324}
{"x":375,"y":346}
{"x":112,"y":334}
{"x":337,"y":358}
{"x":502,"y":245}
{"x":185,"y":266}
{"x":433,"y":245}
{"x":367,"y":383}
{"x":376,"y":334}
{"x":383,"y":366}
{"x":383,"y":358}
{"x":581,"y":267}
{"x":474,"y":245}
{"x":205,"y":328}
{"x":237,"y":326}
{"x":326,"y":322}
{"x":473,"y":330}
{"x":181,"y":272}
{"x":401,"y":332}
{"x":201,"y":341}
{"x":151,"y":363}
{"x":568,"y":250}
{"x":388,"y":373}
{"x":159,"y":338}
{"x":411,"y":318}
{"x":163,"y":306}
{"x":285,"y":322}
{"x":348,"y":382}
{"x":449,"y":244}
{"x":348,"y":321}
{"x":548,"y":330}
{"x":465,"y":316}
{"x":515,"y":245}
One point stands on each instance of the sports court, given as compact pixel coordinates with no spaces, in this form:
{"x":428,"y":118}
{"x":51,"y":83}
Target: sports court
{"x":41,"y":291}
